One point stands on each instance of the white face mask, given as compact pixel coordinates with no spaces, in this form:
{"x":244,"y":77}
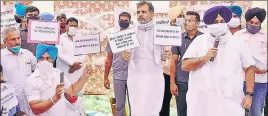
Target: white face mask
{"x":45,"y":68}
{"x":218,"y":29}
{"x":72,"y":31}
{"x":234,"y":22}
{"x":179,"y":21}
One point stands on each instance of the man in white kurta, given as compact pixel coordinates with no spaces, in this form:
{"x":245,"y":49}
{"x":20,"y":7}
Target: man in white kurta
{"x":44,"y":90}
{"x":71,"y":65}
{"x":216,"y":87}
{"x":18,"y":65}
{"x":145,"y":72}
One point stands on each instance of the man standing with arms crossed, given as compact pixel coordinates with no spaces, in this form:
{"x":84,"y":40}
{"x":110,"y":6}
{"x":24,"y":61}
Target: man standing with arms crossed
{"x":120,"y":69}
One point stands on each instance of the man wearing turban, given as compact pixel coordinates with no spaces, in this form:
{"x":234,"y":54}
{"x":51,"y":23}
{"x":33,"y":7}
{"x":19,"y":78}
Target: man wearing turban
{"x":44,"y":89}
{"x":256,"y":39}
{"x":215,"y":86}
{"x":177,"y":16}
{"x":46,"y":16}
{"x":235,"y":22}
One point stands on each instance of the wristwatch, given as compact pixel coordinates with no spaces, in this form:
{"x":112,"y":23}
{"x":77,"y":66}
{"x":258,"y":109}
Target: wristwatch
{"x":250,"y":94}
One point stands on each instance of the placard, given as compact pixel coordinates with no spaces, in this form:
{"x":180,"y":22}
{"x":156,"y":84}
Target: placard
{"x":8,"y":99}
{"x":43,"y":31}
{"x":7,"y":17}
{"x":161,"y":21}
{"x":123,"y":40}
{"x":167,"y":35}
{"x":87,"y":44}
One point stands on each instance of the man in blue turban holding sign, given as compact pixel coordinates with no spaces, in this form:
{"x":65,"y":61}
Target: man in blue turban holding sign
{"x":217,"y":72}
{"x":44,"y":88}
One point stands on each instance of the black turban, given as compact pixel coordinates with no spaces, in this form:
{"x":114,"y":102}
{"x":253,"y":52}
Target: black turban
{"x":258,"y":12}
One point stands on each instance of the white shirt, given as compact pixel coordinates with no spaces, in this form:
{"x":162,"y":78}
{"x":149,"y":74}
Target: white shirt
{"x":66,"y":58}
{"x":231,"y":58}
{"x":39,"y":88}
{"x":16,"y":69}
{"x":258,"y":47}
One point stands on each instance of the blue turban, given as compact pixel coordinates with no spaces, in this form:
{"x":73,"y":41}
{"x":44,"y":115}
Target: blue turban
{"x":212,"y":13}
{"x":237,"y":10}
{"x":46,"y":17}
{"x":42,"y":48}
{"x":20,"y":9}
{"x":258,"y":12}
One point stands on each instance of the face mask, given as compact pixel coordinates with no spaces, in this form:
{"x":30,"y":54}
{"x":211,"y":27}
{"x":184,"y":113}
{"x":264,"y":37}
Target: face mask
{"x":234,"y":22}
{"x":218,"y":29}
{"x":15,"y":49}
{"x":179,"y":21}
{"x":72,"y":31}
{"x":45,"y":68}
{"x":253,"y":29}
{"x":72,"y":99}
{"x":32,"y":18}
{"x":124,"y":24}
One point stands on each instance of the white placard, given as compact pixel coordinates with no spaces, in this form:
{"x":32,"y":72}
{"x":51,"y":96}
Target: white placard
{"x":123,"y":40}
{"x":167,"y":35}
{"x":161,"y":21}
{"x":7,"y":17}
{"x":87,"y":44}
{"x":43,"y":31}
{"x":8,"y":99}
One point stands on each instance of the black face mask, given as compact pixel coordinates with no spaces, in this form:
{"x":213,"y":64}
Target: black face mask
{"x":32,"y":18}
{"x":17,"y":18}
{"x":124,"y":24}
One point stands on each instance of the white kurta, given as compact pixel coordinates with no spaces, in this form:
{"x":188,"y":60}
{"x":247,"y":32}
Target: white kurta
{"x":39,"y":88}
{"x":66,"y":58}
{"x":216,"y":88}
{"x":145,"y":77}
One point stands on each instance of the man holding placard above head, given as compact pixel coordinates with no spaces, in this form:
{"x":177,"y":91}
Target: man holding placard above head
{"x":120,"y":69}
{"x":18,"y":64}
{"x":235,"y":22}
{"x":179,"y":79}
{"x":145,"y":72}
{"x":67,"y":62}
{"x":48,"y":91}
{"x":256,"y":39}
{"x":31,"y":13}
{"x":218,"y":63}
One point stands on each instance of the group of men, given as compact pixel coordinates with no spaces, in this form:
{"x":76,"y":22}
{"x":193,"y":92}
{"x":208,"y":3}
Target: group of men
{"x":38,"y":88}
{"x":227,"y":79}
{"x":207,"y":79}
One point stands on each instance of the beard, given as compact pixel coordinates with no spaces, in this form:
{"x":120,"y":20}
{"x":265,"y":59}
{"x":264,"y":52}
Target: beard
{"x":144,"y":20}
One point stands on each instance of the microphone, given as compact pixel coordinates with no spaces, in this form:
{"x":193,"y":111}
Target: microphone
{"x":215,"y":46}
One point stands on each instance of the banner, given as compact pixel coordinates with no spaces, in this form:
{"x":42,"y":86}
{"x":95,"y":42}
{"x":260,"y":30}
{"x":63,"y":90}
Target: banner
{"x":43,"y":31}
{"x":87,"y":44}
{"x":167,"y":35}
{"x":123,"y":40}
